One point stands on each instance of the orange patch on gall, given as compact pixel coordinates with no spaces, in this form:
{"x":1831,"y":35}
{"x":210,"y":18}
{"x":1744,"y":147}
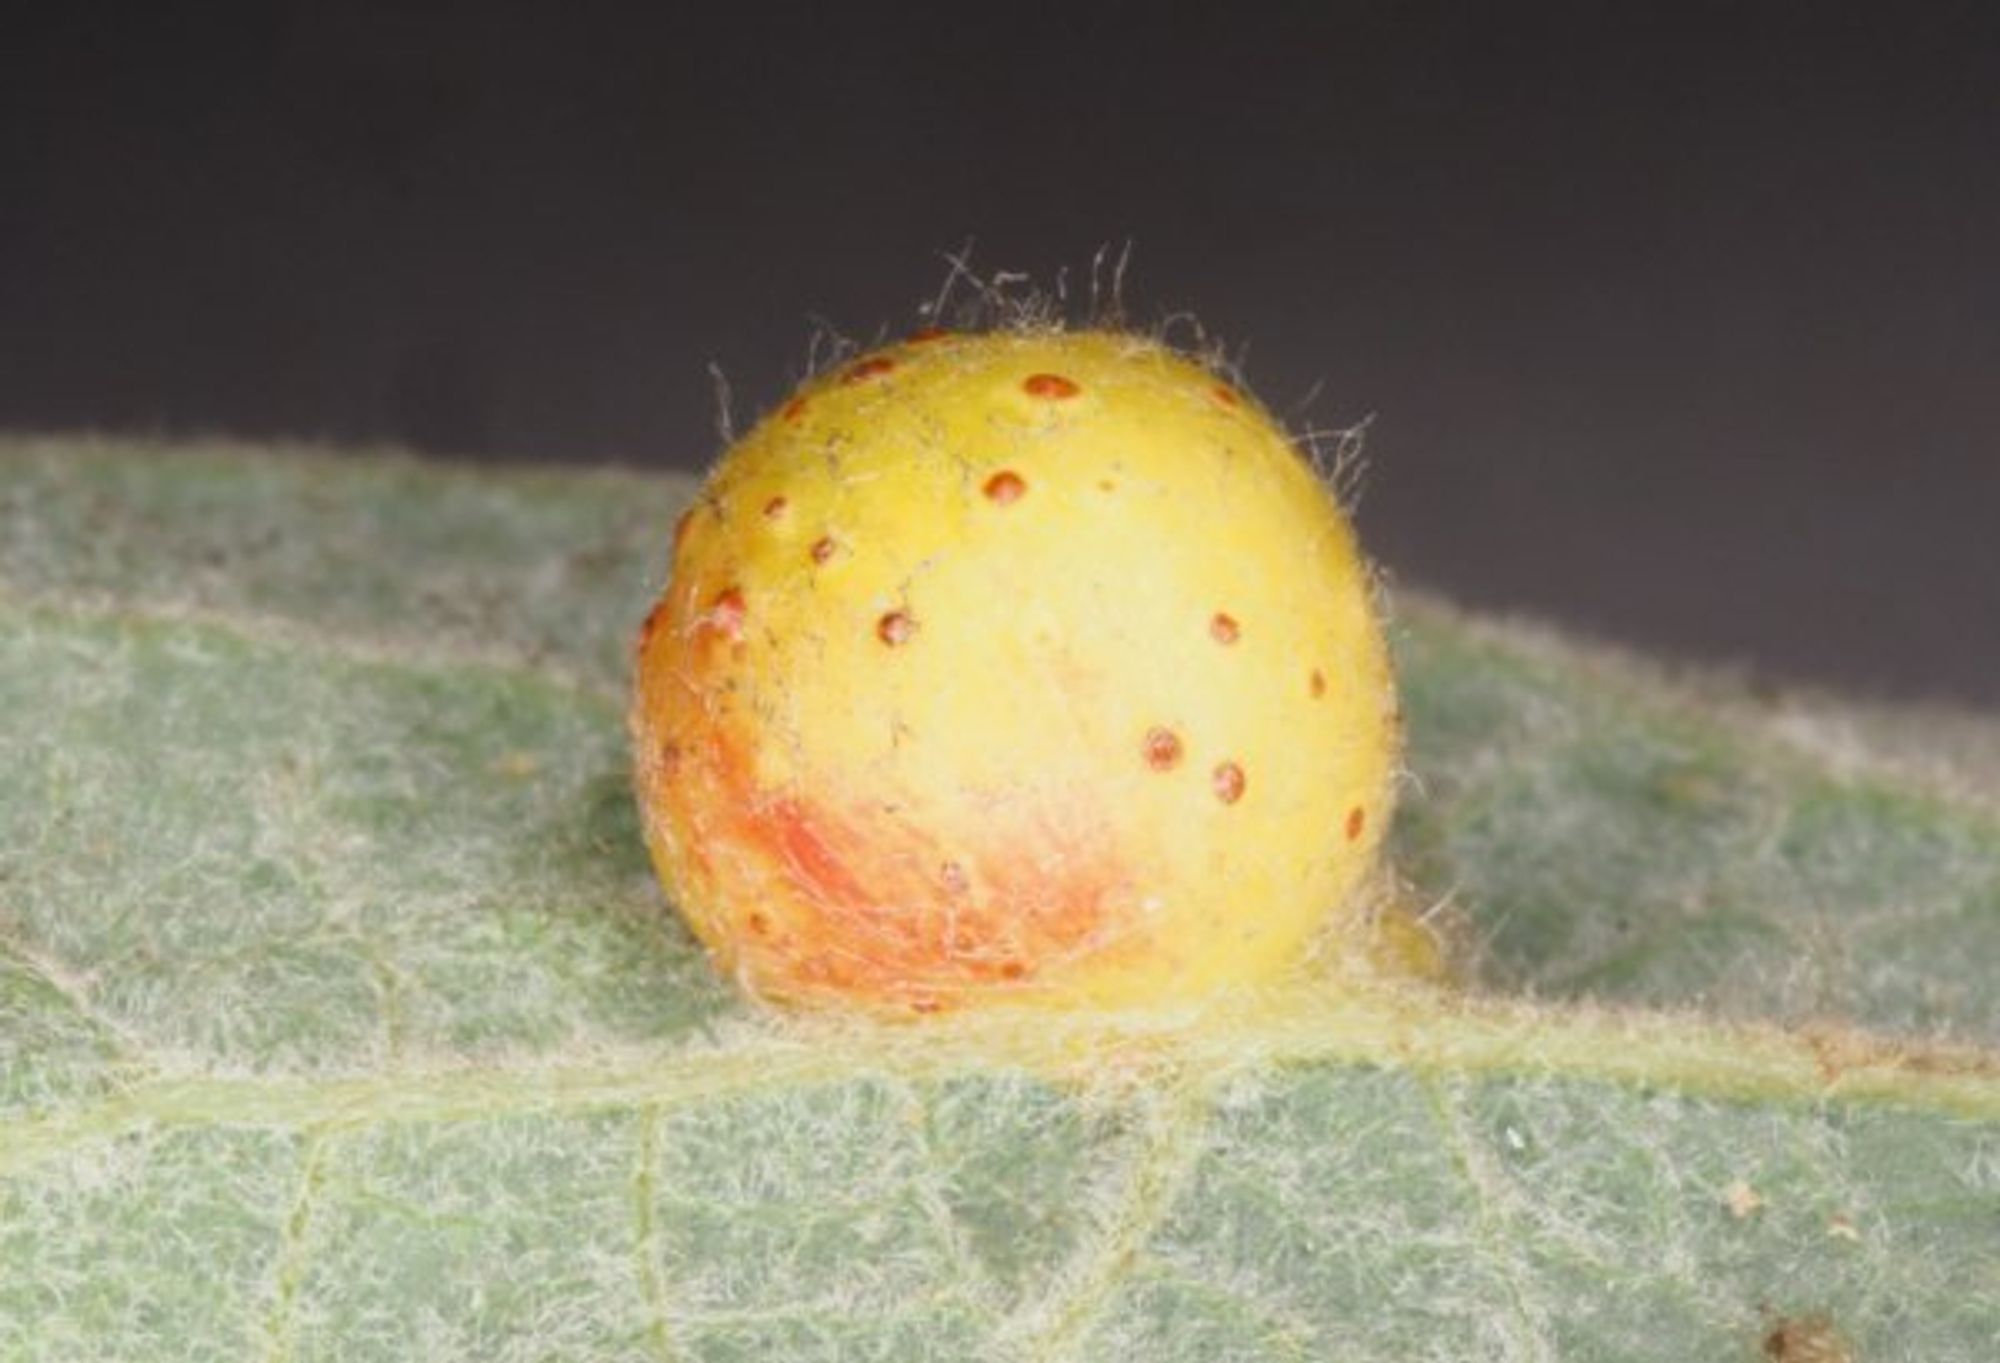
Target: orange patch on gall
{"x":1357,"y":818}
{"x":794,"y":409}
{"x":922,"y":334}
{"x":802,"y":839}
{"x":869,"y":912}
{"x":1224,"y":628}
{"x":1318,"y":684}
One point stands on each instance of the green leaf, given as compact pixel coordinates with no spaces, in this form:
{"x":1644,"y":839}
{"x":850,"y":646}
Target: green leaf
{"x":340,"y":1015}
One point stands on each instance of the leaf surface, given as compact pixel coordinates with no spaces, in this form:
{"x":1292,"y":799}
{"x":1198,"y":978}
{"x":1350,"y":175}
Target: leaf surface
{"x":340,"y":1015}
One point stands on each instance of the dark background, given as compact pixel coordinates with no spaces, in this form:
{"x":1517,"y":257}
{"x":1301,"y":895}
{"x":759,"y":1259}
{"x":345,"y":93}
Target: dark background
{"x":1680,"y":324}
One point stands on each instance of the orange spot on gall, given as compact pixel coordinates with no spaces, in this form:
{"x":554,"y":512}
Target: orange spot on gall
{"x":651,"y":626}
{"x":794,"y":409}
{"x":681,"y":524}
{"x":726,"y":614}
{"x":1357,"y":818}
{"x":670,"y":759}
{"x":1224,"y":628}
{"x":1005,"y":486}
{"x":1228,"y":781}
{"x":1162,"y":748}
{"x":872,"y":367}
{"x":759,"y":924}
{"x":1226,"y":395}
{"x":775,"y":508}
{"x":1318,"y":684}
{"x":1050,"y":386}
{"x":1012,"y":970}
{"x":822,"y":549}
{"x":895,"y":628}
{"x":923,"y":334}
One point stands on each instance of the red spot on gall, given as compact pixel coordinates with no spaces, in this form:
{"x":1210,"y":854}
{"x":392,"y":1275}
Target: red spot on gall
{"x":1049,"y":386}
{"x":1004,"y":487}
{"x":1162,"y":748}
{"x":895,"y":628}
{"x":651,"y":626}
{"x":727,"y":612}
{"x":872,"y":367}
{"x":1228,"y":781}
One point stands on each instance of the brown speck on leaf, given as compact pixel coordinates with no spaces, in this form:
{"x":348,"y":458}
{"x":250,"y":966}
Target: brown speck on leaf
{"x":1224,"y":628}
{"x":873,"y":367}
{"x":1163,"y":749}
{"x":517,"y":764}
{"x":1809,"y":1339}
{"x":1004,"y":487}
{"x":895,"y":628}
{"x":1742,"y":1200}
{"x":1229,"y":782}
{"x":1050,"y":386}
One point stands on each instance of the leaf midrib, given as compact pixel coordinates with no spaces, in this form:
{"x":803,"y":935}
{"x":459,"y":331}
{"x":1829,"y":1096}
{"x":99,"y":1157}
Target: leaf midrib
{"x":1323,"y":1023}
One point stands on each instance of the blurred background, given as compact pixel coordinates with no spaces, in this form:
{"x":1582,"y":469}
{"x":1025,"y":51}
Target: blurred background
{"x":1678,"y":324}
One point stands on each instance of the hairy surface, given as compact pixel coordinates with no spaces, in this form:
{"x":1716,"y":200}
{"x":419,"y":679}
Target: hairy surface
{"x":340,"y":1016}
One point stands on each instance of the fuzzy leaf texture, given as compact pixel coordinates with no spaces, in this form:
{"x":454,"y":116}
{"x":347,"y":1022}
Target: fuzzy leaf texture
{"x":340,"y":1015}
